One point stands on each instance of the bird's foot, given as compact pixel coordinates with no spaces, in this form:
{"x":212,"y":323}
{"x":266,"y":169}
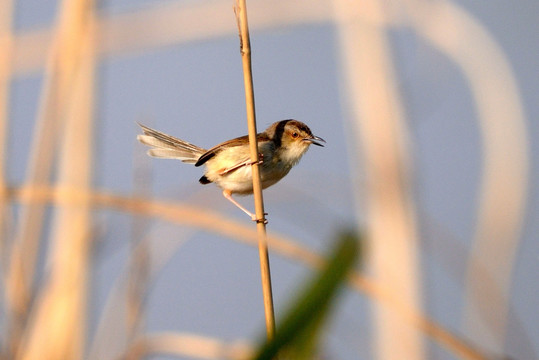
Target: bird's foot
{"x":259,"y":221}
{"x":260,"y":160}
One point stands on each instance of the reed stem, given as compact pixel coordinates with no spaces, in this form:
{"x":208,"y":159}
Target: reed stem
{"x":245,"y":48}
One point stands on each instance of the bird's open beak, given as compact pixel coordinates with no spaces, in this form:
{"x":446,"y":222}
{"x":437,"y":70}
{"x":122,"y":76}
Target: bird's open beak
{"x":315,"y":140}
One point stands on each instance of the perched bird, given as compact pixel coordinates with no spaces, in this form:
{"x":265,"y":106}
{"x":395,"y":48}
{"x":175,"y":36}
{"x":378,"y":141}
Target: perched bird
{"x":228,"y":164}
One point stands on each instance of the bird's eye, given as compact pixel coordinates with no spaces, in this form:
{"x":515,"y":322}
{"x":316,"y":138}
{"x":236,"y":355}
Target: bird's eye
{"x":295,"y":135}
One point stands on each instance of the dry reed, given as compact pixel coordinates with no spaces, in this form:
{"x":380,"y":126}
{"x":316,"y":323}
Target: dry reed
{"x":195,"y":346}
{"x":506,"y":162}
{"x":191,"y":216}
{"x":139,"y":261}
{"x":63,"y":296}
{"x":245,"y":47}
{"x":376,"y":111}
{"x":63,"y":73}
{"x":183,"y":26}
{"x":6,"y":44}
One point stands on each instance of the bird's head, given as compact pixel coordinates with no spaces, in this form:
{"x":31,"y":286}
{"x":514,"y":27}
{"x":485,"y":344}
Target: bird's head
{"x":292,"y":138}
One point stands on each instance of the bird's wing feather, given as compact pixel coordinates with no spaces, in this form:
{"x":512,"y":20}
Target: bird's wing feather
{"x":169,"y":141}
{"x":239,"y":141}
{"x":216,"y":149}
{"x":169,"y":147}
{"x":172,"y":154}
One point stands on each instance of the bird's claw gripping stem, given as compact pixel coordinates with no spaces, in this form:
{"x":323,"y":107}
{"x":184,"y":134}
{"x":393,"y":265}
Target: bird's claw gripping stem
{"x":260,"y":160}
{"x":259,"y":221}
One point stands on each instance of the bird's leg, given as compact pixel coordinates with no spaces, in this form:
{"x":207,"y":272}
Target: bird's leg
{"x":260,"y":160}
{"x":228,"y":195}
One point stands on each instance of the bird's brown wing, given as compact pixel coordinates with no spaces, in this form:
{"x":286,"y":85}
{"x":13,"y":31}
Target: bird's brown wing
{"x":242,"y":140}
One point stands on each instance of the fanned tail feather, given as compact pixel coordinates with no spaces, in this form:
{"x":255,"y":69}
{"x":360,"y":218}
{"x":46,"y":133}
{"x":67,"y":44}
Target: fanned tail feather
{"x":168,"y":147}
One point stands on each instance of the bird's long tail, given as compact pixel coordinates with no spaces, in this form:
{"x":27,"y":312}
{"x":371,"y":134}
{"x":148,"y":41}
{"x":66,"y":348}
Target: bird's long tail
{"x":168,"y":147}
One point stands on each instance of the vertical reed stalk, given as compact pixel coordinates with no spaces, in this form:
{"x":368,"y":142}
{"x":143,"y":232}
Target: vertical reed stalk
{"x":138,"y":276}
{"x":375,"y":105}
{"x":245,"y":48}
{"x":59,"y":72}
{"x":6,"y":44}
{"x":57,"y":322}
{"x":6,"y":55}
{"x":492,"y":83}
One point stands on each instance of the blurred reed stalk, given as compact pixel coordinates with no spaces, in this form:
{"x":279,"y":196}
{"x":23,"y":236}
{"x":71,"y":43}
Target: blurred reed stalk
{"x":54,"y":328}
{"x":506,"y":162}
{"x":6,"y":44}
{"x":375,"y":108}
{"x":181,"y":22}
{"x":194,"y":217}
{"x":187,"y":345}
{"x":245,"y":47}
{"x":138,"y":275}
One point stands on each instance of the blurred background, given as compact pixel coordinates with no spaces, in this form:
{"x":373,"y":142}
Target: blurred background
{"x":428,"y":109}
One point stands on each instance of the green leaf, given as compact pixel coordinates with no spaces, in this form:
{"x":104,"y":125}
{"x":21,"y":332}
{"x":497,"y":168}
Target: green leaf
{"x":296,"y":337}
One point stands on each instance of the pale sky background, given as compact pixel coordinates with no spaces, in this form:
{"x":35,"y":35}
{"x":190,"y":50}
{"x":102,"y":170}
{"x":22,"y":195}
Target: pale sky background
{"x":195,"y":91}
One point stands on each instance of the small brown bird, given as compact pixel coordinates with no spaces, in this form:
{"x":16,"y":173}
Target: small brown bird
{"x":228,"y":164}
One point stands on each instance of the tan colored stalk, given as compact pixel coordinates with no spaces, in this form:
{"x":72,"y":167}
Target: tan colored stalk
{"x":138,"y":276}
{"x":506,"y":163}
{"x":182,"y":27}
{"x":6,"y":44}
{"x":379,"y":121}
{"x":62,"y":63}
{"x":214,"y":222}
{"x":57,"y":323}
{"x":193,"y":346}
{"x":245,"y":47}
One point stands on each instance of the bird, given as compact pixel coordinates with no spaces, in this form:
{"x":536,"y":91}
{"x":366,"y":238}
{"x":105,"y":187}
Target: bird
{"x":228,"y":164}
